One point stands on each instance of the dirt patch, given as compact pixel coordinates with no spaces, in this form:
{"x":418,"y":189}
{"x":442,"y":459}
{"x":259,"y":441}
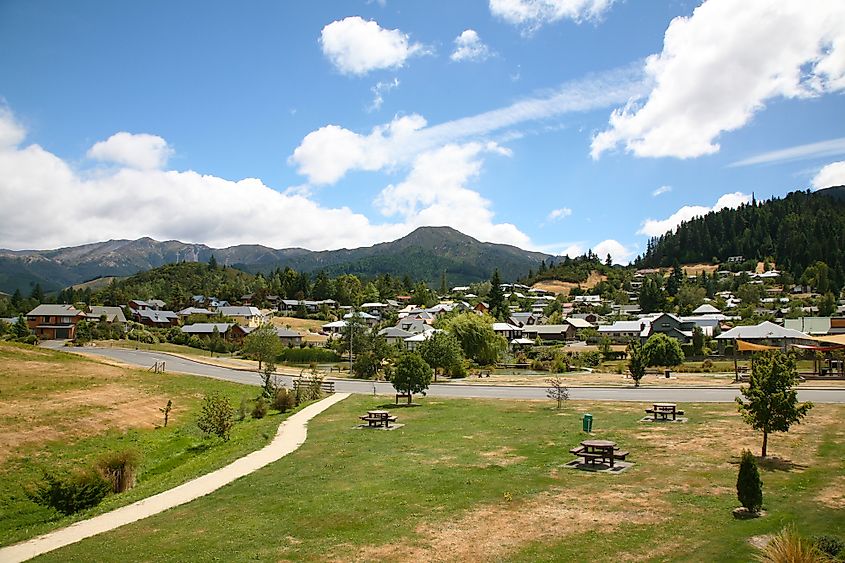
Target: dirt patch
{"x":502,"y":456}
{"x":87,"y":412}
{"x":546,"y":517}
{"x":697,"y":269}
{"x":833,"y":495}
{"x":563,"y":288}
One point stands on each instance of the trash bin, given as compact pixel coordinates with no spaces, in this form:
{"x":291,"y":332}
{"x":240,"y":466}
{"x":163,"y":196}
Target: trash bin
{"x":588,"y":423}
{"x":667,"y":373}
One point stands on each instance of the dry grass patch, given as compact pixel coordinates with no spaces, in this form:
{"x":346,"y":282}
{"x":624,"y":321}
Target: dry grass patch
{"x":833,"y":496}
{"x":491,"y":532}
{"x":563,"y":288}
{"x":503,"y":456}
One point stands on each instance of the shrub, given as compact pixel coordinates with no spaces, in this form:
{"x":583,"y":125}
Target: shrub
{"x":591,"y":359}
{"x":789,"y":547}
{"x":560,"y":364}
{"x":283,"y":400}
{"x":241,"y":410}
{"x":80,"y":490}
{"x":458,"y":370}
{"x":308,"y":355}
{"x":830,"y":545}
{"x":259,"y":410}
{"x":118,"y":468}
{"x":313,"y":390}
{"x":749,"y":487}
{"x":707,"y":365}
{"x":217,"y":416}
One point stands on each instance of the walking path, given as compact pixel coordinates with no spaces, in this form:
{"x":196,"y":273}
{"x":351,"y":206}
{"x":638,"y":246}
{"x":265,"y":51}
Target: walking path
{"x":291,"y":434}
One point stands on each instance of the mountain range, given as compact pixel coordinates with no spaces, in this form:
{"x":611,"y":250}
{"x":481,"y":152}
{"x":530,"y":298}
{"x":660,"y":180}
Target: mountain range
{"x":423,"y":254}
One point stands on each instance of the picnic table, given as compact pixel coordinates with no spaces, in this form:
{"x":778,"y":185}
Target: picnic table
{"x":663,"y":410}
{"x":378,"y":418}
{"x":603,"y":451}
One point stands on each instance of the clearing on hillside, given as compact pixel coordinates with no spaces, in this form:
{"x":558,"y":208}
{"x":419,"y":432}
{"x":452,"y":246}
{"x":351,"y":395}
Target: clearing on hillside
{"x":563,"y":288}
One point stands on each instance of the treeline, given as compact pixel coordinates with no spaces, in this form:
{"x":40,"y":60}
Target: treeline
{"x":796,"y":231}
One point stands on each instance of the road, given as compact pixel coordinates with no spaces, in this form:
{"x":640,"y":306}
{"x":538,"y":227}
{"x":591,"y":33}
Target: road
{"x":643,"y":394}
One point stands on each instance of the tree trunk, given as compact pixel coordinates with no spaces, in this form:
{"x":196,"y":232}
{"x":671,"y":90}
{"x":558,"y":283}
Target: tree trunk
{"x":409,"y":397}
{"x":765,"y":442}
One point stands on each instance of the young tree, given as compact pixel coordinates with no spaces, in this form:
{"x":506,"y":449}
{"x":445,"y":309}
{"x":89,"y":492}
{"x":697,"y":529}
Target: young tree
{"x":771,"y":402}
{"x":212,"y":263}
{"x":264,"y":345}
{"x":557,"y":390}
{"x":636,"y":362}
{"x":217,"y":416}
{"x":215,"y":342}
{"x":411,"y":375}
{"x":19,"y":328}
{"x":749,"y":487}
{"x":441,"y":352}
{"x":662,"y":350}
{"x":697,"y":341}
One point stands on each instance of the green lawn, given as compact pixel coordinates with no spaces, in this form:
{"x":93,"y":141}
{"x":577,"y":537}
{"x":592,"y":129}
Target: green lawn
{"x":161,"y":347}
{"x":59,"y":411}
{"x":484,"y":480}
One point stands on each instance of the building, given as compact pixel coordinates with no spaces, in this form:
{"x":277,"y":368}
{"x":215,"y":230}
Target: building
{"x":671,"y":326}
{"x":228,"y":331}
{"x":766,"y":334}
{"x":111,"y":314}
{"x":395,"y":335}
{"x":160,"y":319}
{"x":817,"y":326}
{"x":243,"y":315}
{"x":54,"y":322}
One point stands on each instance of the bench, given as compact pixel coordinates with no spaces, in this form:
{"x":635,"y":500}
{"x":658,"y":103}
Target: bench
{"x":378,"y":420}
{"x":403,"y":396}
{"x":325,"y":386}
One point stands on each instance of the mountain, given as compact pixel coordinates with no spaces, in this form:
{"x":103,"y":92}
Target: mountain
{"x":796,"y":231}
{"x":423,"y":255}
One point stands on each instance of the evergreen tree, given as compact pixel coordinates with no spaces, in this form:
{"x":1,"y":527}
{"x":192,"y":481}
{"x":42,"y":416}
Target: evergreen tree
{"x":37,"y":293}
{"x":498,"y":307}
{"x":212,"y":263}
{"x":749,"y":487}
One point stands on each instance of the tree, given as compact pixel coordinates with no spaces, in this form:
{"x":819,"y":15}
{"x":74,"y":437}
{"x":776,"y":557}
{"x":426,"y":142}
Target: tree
{"x":411,"y":375}
{"x":651,"y":295}
{"x":827,"y":304}
{"x":212,"y":263}
{"x":264,"y":345}
{"x":557,"y":390}
{"x":771,"y":402}
{"x":662,"y":350}
{"x":19,"y":328}
{"x":441,"y":352}
{"x":217,"y":416}
{"x":697,"y":341}
{"x":215,"y":342}
{"x":749,"y":487}
{"x":604,"y":347}
{"x":475,"y":333}
{"x":498,"y":307}
{"x":636,"y":362}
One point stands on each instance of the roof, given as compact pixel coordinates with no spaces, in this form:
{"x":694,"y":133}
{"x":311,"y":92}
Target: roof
{"x":623,"y":326}
{"x":546,"y":329}
{"x":423,"y":336}
{"x":206,"y":328}
{"x":764,"y":330}
{"x":394,"y":332}
{"x":49,"y":310}
{"x":810,"y":325}
{"x":360,"y":315}
{"x":505,"y":327}
{"x":287,"y":333}
{"x":239,"y":311}
{"x":706,"y":309}
{"x":112,"y":313}
{"x":578,"y":322}
{"x":157,"y":316}
{"x":194,"y":311}
{"x":335,"y":324}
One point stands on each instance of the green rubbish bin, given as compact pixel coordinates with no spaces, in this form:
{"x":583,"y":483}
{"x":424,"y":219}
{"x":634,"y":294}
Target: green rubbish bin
{"x":588,"y":423}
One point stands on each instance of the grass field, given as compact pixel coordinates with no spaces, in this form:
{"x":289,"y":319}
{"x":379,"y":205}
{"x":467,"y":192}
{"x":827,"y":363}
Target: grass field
{"x":472,"y":480}
{"x":59,"y":411}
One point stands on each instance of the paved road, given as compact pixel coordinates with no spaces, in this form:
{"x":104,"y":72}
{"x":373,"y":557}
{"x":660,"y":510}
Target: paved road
{"x":644,"y":394}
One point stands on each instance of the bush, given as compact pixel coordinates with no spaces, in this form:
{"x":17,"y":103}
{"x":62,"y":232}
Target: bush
{"x":749,"y":487}
{"x":830,"y":545}
{"x":118,"y":468}
{"x":707,"y":365}
{"x":308,"y":355}
{"x":283,"y":400}
{"x":559,"y":364}
{"x":241,"y":410}
{"x":80,"y":490}
{"x":217,"y":416}
{"x":458,"y":371}
{"x":260,"y":408}
{"x":789,"y":547}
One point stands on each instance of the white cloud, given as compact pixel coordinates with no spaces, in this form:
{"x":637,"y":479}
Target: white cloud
{"x":721,"y":65}
{"x":379,"y":91}
{"x":358,"y":46}
{"x":619,"y":253}
{"x":556,"y":214}
{"x":327,"y":154}
{"x":831,"y":175}
{"x":469,"y":47}
{"x":12,"y":133}
{"x":654,"y":227}
{"x":37,"y":186}
{"x":661,"y":190}
{"x":141,"y":151}
{"x":530,"y":15}
{"x":800,"y":152}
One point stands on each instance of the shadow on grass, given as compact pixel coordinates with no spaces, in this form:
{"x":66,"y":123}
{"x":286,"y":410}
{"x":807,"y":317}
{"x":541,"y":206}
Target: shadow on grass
{"x":386,"y":406}
{"x":773,"y":463}
{"x":199,"y":448}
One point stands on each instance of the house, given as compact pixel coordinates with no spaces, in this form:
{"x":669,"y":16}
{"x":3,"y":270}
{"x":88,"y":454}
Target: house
{"x":766,"y":334}
{"x":54,"y":322}
{"x":139,"y":305}
{"x":817,"y":326}
{"x":368,"y":319}
{"x":706,"y":309}
{"x":482,"y":308}
{"x":160,"y":319}
{"x":395,"y":335}
{"x":671,"y":326}
{"x":559,"y":332}
{"x":624,"y":331}
{"x":414,"y":326}
{"x":188,"y":311}
{"x":228,"y":331}
{"x":591,"y":318}
{"x":289,"y":337}
{"x":374,"y":308}
{"x":334,"y":328}
{"x":412,"y":342}
{"x":156,"y":304}
{"x":507,"y":330}
{"x":112,"y":314}
{"x":243,"y":315}
{"x":525,"y":319}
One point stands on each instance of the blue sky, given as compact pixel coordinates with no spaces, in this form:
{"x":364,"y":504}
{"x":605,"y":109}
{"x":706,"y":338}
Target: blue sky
{"x":558,"y":125}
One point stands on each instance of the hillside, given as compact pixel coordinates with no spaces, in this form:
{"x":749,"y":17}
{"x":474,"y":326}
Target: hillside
{"x":423,"y":255}
{"x":796,"y":231}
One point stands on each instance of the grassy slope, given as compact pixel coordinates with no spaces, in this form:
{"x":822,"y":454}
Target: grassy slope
{"x":170,"y":455}
{"x":471,"y":480}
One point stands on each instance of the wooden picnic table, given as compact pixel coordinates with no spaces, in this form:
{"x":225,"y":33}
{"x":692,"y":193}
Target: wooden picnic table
{"x":599,"y":450}
{"x":378,"y":418}
{"x":663,"y":410}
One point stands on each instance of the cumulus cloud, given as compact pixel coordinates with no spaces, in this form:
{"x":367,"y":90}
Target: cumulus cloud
{"x":357,"y":46}
{"x":831,"y":175}
{"x":132,"y":202}
{"x":619,"y":253}
{"x":721,"y":65}
{"x":469,"y":47}
{"x":654,"y":227}
{"x":530,"y":15}
{"x":141,"y":151}
{"x":661,"y":190}
{"x":327,"y":154}
{"x":12,"y":133}
{"x":379,"y":91}
{"x":556,"y":214}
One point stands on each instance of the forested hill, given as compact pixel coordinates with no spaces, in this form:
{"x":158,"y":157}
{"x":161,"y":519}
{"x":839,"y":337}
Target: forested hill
{"x":796,"y":231}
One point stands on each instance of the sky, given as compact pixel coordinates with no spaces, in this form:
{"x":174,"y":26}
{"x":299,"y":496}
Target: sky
{"x":553,"y":125}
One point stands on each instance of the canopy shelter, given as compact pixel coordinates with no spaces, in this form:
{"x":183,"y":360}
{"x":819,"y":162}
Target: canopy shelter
{"x":743,"y":346}
{"x":824,"y":362}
